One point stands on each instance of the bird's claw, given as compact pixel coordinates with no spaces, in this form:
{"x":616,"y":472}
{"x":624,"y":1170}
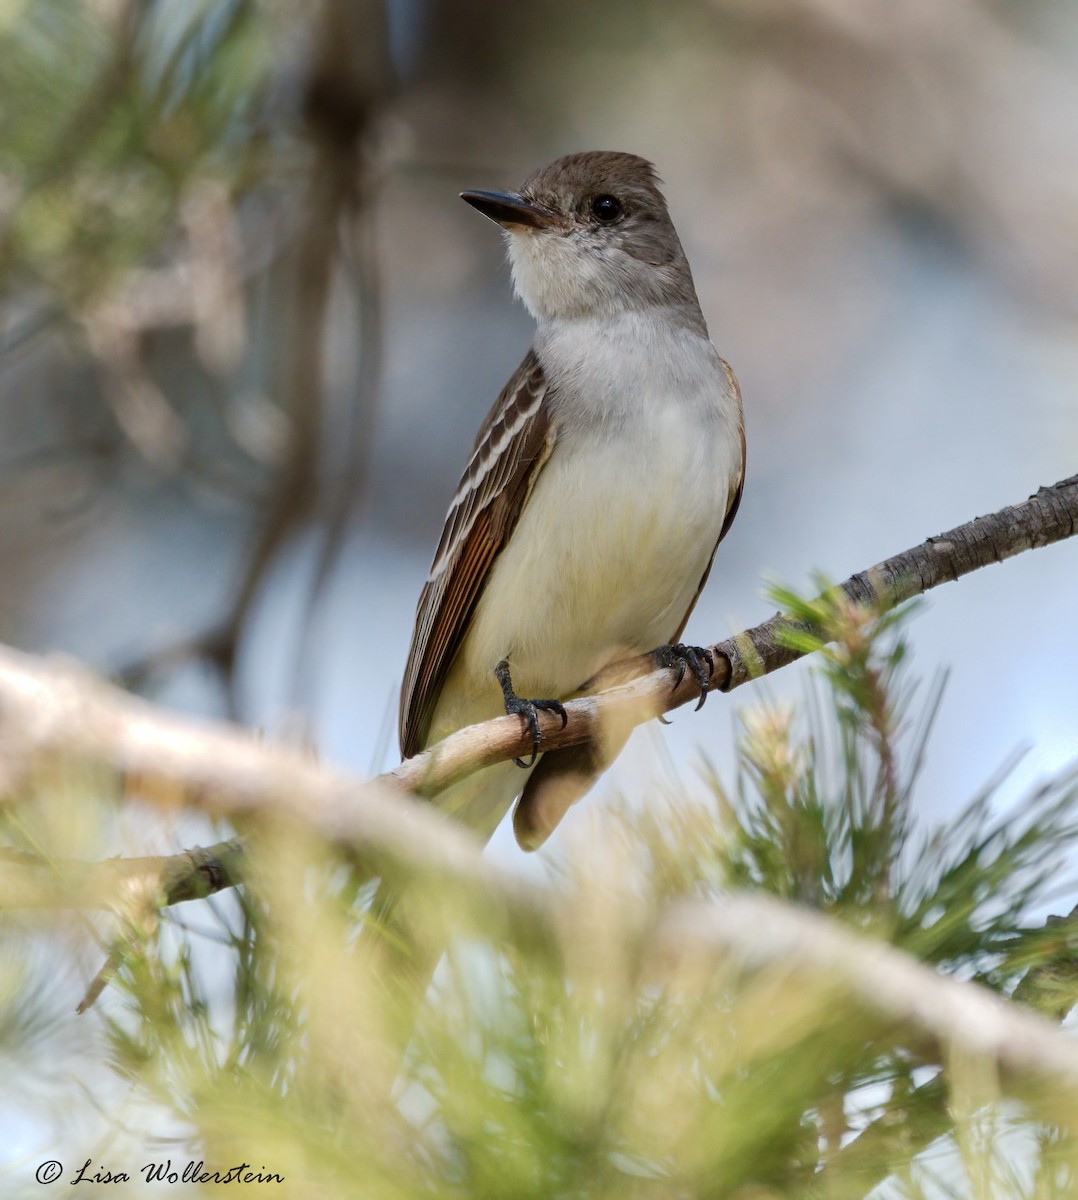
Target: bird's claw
{"x":528,"y":709}
{"x":678,"y":657}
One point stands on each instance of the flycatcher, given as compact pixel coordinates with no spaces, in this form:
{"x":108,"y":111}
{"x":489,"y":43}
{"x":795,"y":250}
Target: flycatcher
{"x":600,"y":484}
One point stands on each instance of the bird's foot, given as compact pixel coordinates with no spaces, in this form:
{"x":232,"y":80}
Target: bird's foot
{"x":697,"y":659}
{"x":528,"y":709}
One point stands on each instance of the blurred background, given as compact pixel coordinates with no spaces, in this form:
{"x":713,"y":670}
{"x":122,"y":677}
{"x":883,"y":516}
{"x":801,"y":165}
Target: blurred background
{"x":248,"y":330}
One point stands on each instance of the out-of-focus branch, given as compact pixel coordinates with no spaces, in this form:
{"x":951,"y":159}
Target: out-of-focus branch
{"x":343,"y":93}
{"x":341,"y":99}
{"x":765,"y":934}
{"x":30,"y":881}
{"x":54,"y":714}
{"x":634,"y":691}
{"x":134,"y":888}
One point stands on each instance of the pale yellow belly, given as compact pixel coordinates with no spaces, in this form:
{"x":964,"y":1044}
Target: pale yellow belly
{"x":605,"y":561}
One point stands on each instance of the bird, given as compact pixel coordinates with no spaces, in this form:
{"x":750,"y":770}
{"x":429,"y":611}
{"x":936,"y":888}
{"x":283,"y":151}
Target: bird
{"x":599,"y":486}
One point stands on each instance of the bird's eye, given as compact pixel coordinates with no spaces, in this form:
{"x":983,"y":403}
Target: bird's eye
{"x":606,"y":209}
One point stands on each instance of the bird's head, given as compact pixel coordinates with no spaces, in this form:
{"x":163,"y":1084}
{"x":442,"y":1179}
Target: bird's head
{"x":590,"y":235}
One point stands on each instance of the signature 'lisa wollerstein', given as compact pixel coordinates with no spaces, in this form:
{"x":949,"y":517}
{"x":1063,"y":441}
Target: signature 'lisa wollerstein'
{"x":600,"y":484}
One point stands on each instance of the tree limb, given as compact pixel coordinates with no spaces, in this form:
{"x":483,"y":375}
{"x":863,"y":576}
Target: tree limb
{"x":634,"y":691}
{"x":53,"y":711}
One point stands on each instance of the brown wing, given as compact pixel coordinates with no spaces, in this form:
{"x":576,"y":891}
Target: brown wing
{"x":731,"y":508}
{"x":513,"y":443}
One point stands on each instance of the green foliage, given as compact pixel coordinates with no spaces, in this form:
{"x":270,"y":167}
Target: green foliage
{"x":581,"y":1067}
{"x":116,"y":113}
{"x":823,"y":815}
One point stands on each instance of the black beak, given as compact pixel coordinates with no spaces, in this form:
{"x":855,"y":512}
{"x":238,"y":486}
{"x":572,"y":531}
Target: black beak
{"x":509,"y":209}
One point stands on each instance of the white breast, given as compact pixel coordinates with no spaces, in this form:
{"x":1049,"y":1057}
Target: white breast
{"x":608,"y":554}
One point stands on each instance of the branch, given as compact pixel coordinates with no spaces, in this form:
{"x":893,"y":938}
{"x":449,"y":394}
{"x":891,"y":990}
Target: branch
{"x":54,"y":711}
{"x":55,"y":714}
{"x":131,"y":887}
{"x":763,"y":933}
{"x":33,"y":881}
{"x":634,"y":691}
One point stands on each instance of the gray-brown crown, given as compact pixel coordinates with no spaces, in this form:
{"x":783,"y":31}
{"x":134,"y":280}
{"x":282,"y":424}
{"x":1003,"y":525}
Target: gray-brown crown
{"x":568,"y":184}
